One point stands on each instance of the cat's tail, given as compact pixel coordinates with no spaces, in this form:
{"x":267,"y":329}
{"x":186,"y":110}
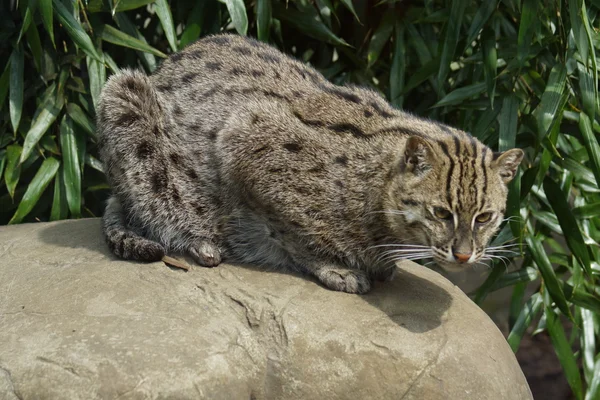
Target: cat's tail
{"x":124,"y":242}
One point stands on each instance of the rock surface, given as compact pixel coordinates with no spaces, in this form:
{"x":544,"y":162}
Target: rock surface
{"x":76,"y":323}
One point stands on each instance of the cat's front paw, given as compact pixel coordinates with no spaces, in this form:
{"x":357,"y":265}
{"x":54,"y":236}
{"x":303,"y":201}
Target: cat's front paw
{"x":344,"y":280}
{"x":206,"y":254}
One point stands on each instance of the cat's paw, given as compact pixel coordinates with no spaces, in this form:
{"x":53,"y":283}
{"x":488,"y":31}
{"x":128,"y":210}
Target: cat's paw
{"x":344,"y":280}
{"x":130,"y":246}
{"x":206,"y":254}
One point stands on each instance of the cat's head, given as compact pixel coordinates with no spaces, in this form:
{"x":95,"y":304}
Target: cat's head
{"x":450,"y":196}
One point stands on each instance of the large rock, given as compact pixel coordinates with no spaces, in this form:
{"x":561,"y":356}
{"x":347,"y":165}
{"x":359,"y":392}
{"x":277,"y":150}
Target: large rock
{"x":76,"y":323}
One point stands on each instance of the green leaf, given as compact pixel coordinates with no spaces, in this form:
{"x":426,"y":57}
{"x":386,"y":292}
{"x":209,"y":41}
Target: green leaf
{"x":567,"y":223}
{"x":527,"y":26}
{"x":237,"y":11}
{"x":25,"y":25}
{"x":550,"y":281}
{"x":593,"y":392}
{"x":379,"y":39}
{"x":451,"y":36}
{"x":484,"y":12}
{"x":16,"y":87}
{"x":588,"y":342}
{"x":550,"y":104}
{"x":527,"y":315}
{"x":60,"y":208}
{"x":457,"y":96}
{"x":13,"y":168}
{"x":591,"y":144}
{"x":564,"y":352}
{"x":45,"y":7}
{"x":588,"y":89}
{"x":81,"y":119}
{"x":112,"y":35}
{"x":120,"y":5}
{"x":2,"y":161}
{"x":508,"y":122}
{"x":75,"y":30}
{"x":587,"y":211}
{"x":97,"y":75}
{"x":72,"y":172}
{"x":490,"y":63}
{"x":4,"y":84}
{"x":94,"y":163}
{"x":193,"y":26}
{"x":36,"y":187}
{"x":35,"y":45}
{"x":486,"y":287}
{"x":398,"y":69}
{"x":147,"y":59}
{"x":264,"y":14}
{"x":46,"y":114}
{"x":163,"y":11}
{"x":348,"y":4}
{"x":308,"y":24}
{"x":579,"y":33}
{"x":527,"y":274}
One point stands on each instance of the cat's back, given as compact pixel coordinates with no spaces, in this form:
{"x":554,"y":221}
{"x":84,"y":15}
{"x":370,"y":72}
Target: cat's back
{"x":232,"y":65}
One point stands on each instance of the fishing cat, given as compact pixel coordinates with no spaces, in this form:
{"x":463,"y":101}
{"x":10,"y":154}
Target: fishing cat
{"x":233,"y":150}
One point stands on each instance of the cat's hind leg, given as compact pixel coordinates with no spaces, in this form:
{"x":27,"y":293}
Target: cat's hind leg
{"x":124,"y":242}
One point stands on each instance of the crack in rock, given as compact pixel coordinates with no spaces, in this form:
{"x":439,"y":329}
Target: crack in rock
{"x":9,"y":379}
{"x":427,"y":367}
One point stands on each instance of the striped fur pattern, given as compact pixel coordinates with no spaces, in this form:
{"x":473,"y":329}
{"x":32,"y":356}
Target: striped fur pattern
{"x":232,"y":150}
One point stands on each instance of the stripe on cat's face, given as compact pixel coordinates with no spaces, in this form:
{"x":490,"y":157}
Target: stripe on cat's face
{"x":451,"y":194}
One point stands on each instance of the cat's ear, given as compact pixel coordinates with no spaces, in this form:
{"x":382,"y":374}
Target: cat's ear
{"x":418,"y":155}
{"x":507,"y":163}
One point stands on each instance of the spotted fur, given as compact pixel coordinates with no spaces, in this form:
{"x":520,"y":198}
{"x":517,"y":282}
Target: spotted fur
{"x":232,"y":149}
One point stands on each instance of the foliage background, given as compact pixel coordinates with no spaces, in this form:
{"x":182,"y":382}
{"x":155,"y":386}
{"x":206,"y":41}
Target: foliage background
{"x":512,"y":72}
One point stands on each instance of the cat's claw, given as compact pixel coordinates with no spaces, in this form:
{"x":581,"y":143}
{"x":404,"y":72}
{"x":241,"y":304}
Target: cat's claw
{"x":206,"y":254}
{"x":344,"y":280}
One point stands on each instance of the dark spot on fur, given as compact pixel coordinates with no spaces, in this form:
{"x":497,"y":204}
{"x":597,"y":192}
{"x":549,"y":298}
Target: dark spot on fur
{"x":198,"y":207}
{"x":242,"y":50}
{"x":305,"y":72}
{"x":316,"y":169}
{"x":271,"y":93}
{"x":189,"y":77}
{"x":253,"y":42}
{"x":176,"y":57}
{"x":127,"y":118}
{"x":177,"y":110}
{"x":269,"y":57}
{"x":261,"y":149}
{"x":211,"y":91}
{"x":293,"y":147}
{"x":156,"y":130}
{"x":380,"y":110}
{"x":311,"y":123}
{"x":214,"y":65}
{"x":159,"y":180}
{"x":144,"y":149}
{"x":212,"y":135}
{"x":410,"y":202}
{"x":297,"y":94}
{"x":175,"y":195}
{"x":176,"y":159}
{"x":368,"y":114}
{"x":164,"y":87}
{"x":236,"y":71}
{"x":277,"y":75}
{"x":339,"y":183}
{"x":255,"y":119}
{"x":196,"y":54}
{"x":131,"y":83}
{"x":343,"y":160}
{"x":341,"y":93}
{"x":296,"y":224}
{"x":275,"y":170}
{"x":347,"y":127}
{"x":192,"y":174}
{"x":256,"y":73}
{"x":218,"y":39}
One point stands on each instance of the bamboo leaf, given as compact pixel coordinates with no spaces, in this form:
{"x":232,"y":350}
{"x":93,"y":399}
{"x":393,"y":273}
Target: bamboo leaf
{"x":309,"y":24}
{"x":148,"y":59}
{"x":13,"y":168}
{"x":166,"y":19}
{"x":239,"y":17}
{"x":95,"y":6}
{"x":46,"y":115}
{"x":45,"y":7}
{"x":550,"y":104}
{"x":71,"y":172}
{"x":591,"y":144}
{"x":564,"y":352}
{"x":457,"y":96}
{"x":75,"y":30}
{"x":193,"y":26}
{"x":551,"y":282}
{"x":379,"y":39}
{"x":528,"y":314}
{"x":587,"y":211}
{"x":527,"y":274}
{"x":97,"y":75}
{"x":35,"y":45}
{"x":4,"y":84}
{"x":60,"y":207}
{"x":36,"y":187}
{"x":484,"y":12}
{"x":490,"y":63}
{"x":348,"y":4}
{"x":451,"y":38}
{"x":112,"y":35}
{"x":81,"y":119}
{"x":593,"y":391}
{"x":508,"y":122}
{"x":16,"y":87}
{"x":528,"y":24}
{"x":588,"y":342}
{"x":398,"y":69}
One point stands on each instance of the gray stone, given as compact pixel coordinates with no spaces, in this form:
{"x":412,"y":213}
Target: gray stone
{"x":77,"y":323}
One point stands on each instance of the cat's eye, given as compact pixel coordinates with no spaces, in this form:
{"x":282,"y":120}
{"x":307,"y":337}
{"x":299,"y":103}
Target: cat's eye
{"x":442,"y":213}
{"x":483,"y":217}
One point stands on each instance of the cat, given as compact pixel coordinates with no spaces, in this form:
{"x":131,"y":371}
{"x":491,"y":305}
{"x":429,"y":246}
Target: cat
{"x":233,"y":150}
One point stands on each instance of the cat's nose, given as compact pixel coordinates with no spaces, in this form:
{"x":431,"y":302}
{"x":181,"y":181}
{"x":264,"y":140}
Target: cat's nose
{"x":461,"y":258}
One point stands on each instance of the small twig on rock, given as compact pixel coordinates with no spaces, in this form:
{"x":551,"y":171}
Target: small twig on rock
{"x":173,"y":262}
